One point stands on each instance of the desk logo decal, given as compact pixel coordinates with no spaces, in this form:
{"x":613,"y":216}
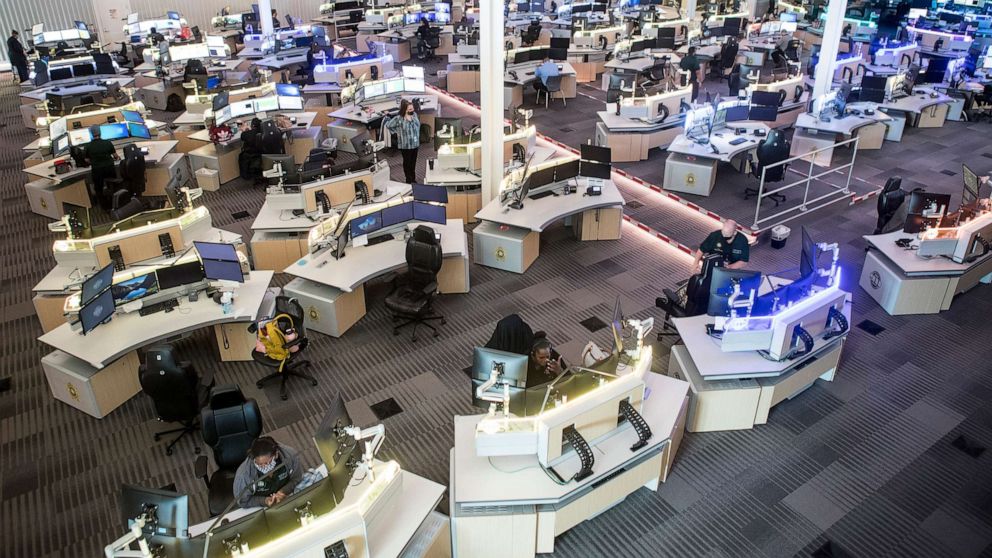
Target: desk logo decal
{"x":314,"y":314}
{"x":875,"y":279}
{"x":690,"y":178}
{"x":500,"y":254}
{"x":44,"y":203}
{"x":73,"y":392}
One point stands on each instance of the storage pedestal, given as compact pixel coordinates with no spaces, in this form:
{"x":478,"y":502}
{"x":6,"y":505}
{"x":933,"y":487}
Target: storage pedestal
{"x":932,"y":117}
{"x":691,"y":175}
{"x":46,"y":196}
{"x":96,"y":392}
{"x":49,"y":309}
{"x":464,"y":205}
{"x":895,"y":127}
{"x":803,"y":142}
{"x":513,"y":249}
{"x":277,"y":250}
{"x":326,"y":309}
{"x":871,"y":136}
{"x":598,"y":224}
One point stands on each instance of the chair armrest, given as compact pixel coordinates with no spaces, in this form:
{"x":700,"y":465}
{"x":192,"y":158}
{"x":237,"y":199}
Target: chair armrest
{"x":207,"y":379}
{"x":290,"y":344}
{"x":200,"y":469}
{"x":430,"y":288}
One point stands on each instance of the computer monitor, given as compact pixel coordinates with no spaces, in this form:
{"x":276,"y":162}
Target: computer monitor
{"x":60,"y":144}
{"x":721,"y":287}
{"x":972,"y":186}
{"x":60,"y":73}
{"x":542,"y":177}
{"x":113,"y":131}
{"x":567,"y":170}
{"x":871,"y":95}
{"x":719,"y":120}
{"x":216,"y":251}
{"x":287,"y":90}
{"x":266,"y":104}
{"x":135,"y":288}
{"x":763,"y":113}
{"x":85,"y":69}
{"x":514,"y":366}
{"x":365,"y":224}
{"x":732,"y":24}
{"x":595,"y":153}
{"x":80,"y":137}
{"x":242,"y":108}
{"x":95,"y":284}
{"x":396,"y":214}
{"x":215,"y":41}
{"x":414,"y":85}
{"x":665,"y":43}
{"x":519,"y":57}
{"x":252,"y":528}
{"x":737,"y":113}
{"x":429,"y":212}
{"x":283,"y":518}
{"x":560,"y":42}
{"x":933,"y":204}
{"x":172,"y":15}
{"x":97,"y":311}
{"x":132,"y":116}
{"x":558,"y":54}
{"x":218,"y":270}
{"x":591,"y":169}
{"x":177,"y":275}
{"x":220,"y":100}
{"x":909,"y":81}
{"x":616,"y":327}
{"x":171,"y":510}
{"x":138,"y":131}
{"x":330,"y":438}
{"x":537,"y":54}
{"x":290,"y":103}
{"x":808,"y":255}
{"x":874,"y":82}
{"x":292,"y":172}
{"x":765,"y":98}
{"x":429,"y":193}
{"x":413,"y":72}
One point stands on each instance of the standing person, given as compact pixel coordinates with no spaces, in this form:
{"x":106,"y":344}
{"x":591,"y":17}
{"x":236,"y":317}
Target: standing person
{"x":691,"y":64}
{"x":728,"y":243}
{"x":406,"y":126}
{"x":15,"y":52}
{"x":101,"y":155}
{"x":275,"y":20}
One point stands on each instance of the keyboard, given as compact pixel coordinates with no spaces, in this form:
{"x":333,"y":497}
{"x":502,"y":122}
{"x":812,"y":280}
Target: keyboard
{"x":164,"y":306}
{"x":540,"y":195}
{"x":380,"y":239}
{"x":737,"y":141}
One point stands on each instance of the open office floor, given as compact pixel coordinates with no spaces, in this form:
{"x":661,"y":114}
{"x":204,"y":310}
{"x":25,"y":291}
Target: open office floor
{"x":889,"y":459}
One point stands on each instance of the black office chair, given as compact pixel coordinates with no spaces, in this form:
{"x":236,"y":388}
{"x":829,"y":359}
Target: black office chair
{"x":656,"y":75}
{"x":229,"y":424}
{"x":133,"y":167}
{"x":774,"y":149}
{"x":513,"y":335}
{"x":177,"y":391}
{"x":681,"y":303}
{"x":531,"y":34}
{"x":413,"y":300}
{"x":552,"y":86}
{"x":295,"y":362}
{"x":272,"y":141}
{"x":793,"y":50}
{"x":127,"y":190}
{"x":614,"y":90}
{"x":61,"y":47}
{"x":889,"y":201}
{"x":728,"y":56}
{"x":197,"y":72}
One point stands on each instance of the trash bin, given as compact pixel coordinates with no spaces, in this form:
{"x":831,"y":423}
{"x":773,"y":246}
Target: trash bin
{"x":780,"y":233}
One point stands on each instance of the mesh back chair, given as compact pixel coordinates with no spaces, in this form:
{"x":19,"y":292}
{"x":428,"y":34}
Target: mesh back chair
{"x":176,"y":390}
{"x":294,"y":362}
{"x":552,"y":86}
{"x":680,"y":303}
{"x":412,"y":302}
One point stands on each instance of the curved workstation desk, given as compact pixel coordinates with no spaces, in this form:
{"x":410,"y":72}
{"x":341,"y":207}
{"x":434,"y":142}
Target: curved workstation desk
{"x":508,"y":505}
{"x":691,"y":166}
{"x":925,"y":108}
{"x":902,"y":282}
{"x":332,"y":291}
{"x":813,"y":134}
{"x":510,"y":239}
{"x":640,"y":124}
{"x":98,"y":372}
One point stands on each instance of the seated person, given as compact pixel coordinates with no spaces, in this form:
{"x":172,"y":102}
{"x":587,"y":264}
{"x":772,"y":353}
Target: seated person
{"x":545,"y":364}
{"x":543,"y":72}
{"x":728,"y":243}
{"x":513,"y":335}
{"x":264,"y":455}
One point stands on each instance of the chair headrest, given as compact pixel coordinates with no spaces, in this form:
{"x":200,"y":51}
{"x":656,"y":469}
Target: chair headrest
{"x":892,"y":184}
{"x":223,"y":397}
{"x":161,"y":357}
{"x":423,"y":233}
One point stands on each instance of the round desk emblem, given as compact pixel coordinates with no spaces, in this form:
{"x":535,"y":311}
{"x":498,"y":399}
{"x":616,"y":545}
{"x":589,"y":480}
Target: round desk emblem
{"x":44,"y":203}
{"x":500,"y":254}
{"x":875,"y":279}
{"x":73,"y":393}
{"x":690,"y":178}
{"x":314,"y":315}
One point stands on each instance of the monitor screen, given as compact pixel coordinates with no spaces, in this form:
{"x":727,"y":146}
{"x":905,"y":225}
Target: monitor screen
{"x":568,"y":170}
{"x":178,"y":275}
{"x":242,"y":108}
{"x":874,"y":82}
{"x":721,"y":287}
{"x":560,"y":42}
{"x":374,"y":89}
{"x":96,"y":284}
{"x":287,"y":90}
{"x":138,"y":131}
{"x":60,"y":73}
{"x":213,"y":82}
{"x":80,"y":137}
{"x":365,"y":224}
{"x":519,"y":57}
{"x":215,"y":41}
{"x":216,"y":251}
{"x":172,"y":15}
{"x":595,"y":170}
{"x":872,"y":95}
{"x":79,"y":70}
{"x":788,"y":16}
{"x":932,"y":204}
{"x":972,"y":187}
{"x":220,"y":100}
{"x":426,"y":192}
{"x":394,"y":86}
{"x":765,"y":98}
{"x":291,"y":103}
{"x":97,"y":311}
{"x":737,"y":113}
{"x":132,"y":116}
{"x":113,"y":131}
{"x":135,"y":288}
{"x":665,"y":43}
{"x":223,"y":115}
{"x":266,"y":104}
{"x":60,"y":144}
{"x":396,"y":214}
{"x":807,"y":256}
{"x":596,"y":153}
{"x":430,"y":213}
{"x":558,"y":54}
{"x":763,"y":113}
{"x":719,"y":119}
{"x":217,"y":270}
{"x":413,"y":72}
{"x":414,"y":86}
{"x":81,"y":25}
{"x":57,"y":128}
{"x":542,"y":177}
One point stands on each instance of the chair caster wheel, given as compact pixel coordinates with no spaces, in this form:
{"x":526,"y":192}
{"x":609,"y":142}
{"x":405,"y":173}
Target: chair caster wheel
{"x":413,"y":339}
{"x":436,"y":334}
{"x":258,"y":385}
{"x":314,"y":383}
{"x":156,"y":437}
{"x":443,"y":321}
{"x":168,"y":451}
{"x":196,"y":450}
{"x":284,"y":396}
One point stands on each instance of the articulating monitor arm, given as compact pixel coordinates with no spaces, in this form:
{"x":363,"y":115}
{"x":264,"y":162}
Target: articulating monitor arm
{"x":373,"y":437}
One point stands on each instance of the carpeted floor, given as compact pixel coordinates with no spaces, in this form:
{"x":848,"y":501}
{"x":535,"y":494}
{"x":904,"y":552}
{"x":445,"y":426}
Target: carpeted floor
{"x":887,"y":460}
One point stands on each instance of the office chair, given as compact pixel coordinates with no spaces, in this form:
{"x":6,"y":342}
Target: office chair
{"x":889,"y":201}
{"x":531,"y":34}
{"x":196,"y":71}
{"x":728,"y":56}
{"x":614,"y":91}
{"x":176,"y":390}
{"x":553,"y":85}
{"x":61,"y":47}
{"x":793,"y":50}
{"x":513,"y":335}
{"x":127,"y":189}
{"x":228,"y":424}
{"x":656,"y":75}
{"x":272,"y":140}
{"x":774,"y":149}
{"x":44,"y":51}
{"x":294,"y":362}
{"x":413,"y":301}
{"x":133,"y":169}
{"x":681,"y":303}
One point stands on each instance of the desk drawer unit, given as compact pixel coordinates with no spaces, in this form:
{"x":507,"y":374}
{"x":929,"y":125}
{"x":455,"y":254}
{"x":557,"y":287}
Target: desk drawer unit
{"x":158,"y":176}
{"x":94,"y":391}
{"x":513,"y":249}
{"x":689,"y":174}
{"x":932,"y":117}
{"x":45,"y":197}
{"x":899,"y":294}
{"x":326,"y":309}
{"x":895,"y":126}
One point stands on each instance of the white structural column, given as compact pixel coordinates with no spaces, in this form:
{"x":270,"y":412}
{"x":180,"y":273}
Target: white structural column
{"x":265,"y":16}
{"x":689,"y":9}
{"x":823,"y":80}
{"x":491,"y":58}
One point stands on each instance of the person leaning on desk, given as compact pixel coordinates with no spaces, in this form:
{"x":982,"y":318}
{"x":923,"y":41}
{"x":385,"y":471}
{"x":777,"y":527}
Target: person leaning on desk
{"x":102,"y":156}
{"x":264,"y":455}
{"x":727,"y":242}
{"x":406,"y":126}
{"x":543,"y":72}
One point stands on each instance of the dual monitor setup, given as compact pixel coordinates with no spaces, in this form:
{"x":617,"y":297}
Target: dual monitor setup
{"x":100,"y":295}
{"x":878,"y":89}
{"x":424,"y":207}
{"x":412,"y":81}
{"x":98,"y":63}
{"x":166,"y":513}
{"x":927,"y":210}
{"x":700,"y":123}
{"x":287,"y":97}
{"x":593,"y":162}
{"x":133,"y":127}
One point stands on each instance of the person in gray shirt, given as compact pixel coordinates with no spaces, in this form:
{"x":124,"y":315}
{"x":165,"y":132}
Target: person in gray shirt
{"x":264,"y":456}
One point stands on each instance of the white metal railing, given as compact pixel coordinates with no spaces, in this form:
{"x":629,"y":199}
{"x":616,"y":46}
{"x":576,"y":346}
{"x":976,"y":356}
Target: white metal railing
{"x":836,"y":194}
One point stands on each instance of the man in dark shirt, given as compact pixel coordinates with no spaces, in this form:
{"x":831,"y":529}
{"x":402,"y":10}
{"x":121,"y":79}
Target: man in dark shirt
{"x":15,"y":51}
{"x":691,"y":64}
{"x":154,"y":37}
{"x":101,"y":155}
{"x":312,"y":61}
{"x":544,"y":364}
{"x":729,"y":243}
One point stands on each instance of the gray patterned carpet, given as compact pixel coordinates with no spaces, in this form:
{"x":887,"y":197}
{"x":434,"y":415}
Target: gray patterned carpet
{"x":888,"y":460}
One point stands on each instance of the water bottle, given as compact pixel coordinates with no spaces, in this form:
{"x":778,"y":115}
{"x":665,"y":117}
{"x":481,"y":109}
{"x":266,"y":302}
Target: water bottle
{"x":225,"y":301}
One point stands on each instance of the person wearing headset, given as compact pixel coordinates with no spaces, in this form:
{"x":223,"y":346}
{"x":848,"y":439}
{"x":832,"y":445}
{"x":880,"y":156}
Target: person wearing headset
{"x":264,"y":456}
{"x":544,"y":363}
